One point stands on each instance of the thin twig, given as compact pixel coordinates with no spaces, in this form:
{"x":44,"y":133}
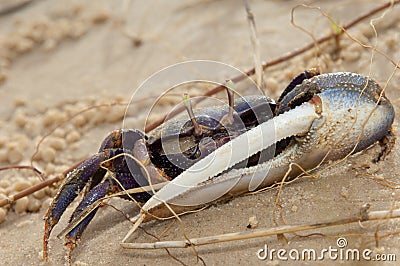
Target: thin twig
{"x":28,"y":191}
{"x":371,"y":216}
{"x":11,"y":199}
{"x":36,"y":170}
{"x":255,"y":42}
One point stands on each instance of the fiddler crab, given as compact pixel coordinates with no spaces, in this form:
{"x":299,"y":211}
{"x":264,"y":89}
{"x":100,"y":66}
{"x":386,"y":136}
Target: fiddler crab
{"x":225,"y":151}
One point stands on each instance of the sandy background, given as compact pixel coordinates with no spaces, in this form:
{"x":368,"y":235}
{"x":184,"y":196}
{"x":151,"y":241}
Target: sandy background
{"x":58,"y":57}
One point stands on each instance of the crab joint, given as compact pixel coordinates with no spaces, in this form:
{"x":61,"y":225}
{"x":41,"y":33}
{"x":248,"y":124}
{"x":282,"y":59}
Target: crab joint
{"x":317,"y":102}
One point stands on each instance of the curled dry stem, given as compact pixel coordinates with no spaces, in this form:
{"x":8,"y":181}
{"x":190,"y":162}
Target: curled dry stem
{"x":340,"y":30}
{"x":255,"y":42}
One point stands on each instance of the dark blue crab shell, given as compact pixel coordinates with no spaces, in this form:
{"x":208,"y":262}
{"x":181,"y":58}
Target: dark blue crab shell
{"x":249,"y":112}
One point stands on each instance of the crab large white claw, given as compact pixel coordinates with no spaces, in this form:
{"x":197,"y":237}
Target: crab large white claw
{"x":292,"y":123}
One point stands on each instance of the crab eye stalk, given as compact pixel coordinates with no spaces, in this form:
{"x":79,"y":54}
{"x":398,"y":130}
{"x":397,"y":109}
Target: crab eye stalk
{"x":228,"y":118}
{"x":188,"y":105}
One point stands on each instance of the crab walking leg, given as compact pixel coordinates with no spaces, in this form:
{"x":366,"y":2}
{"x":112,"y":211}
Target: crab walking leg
{"x":294,"y":122}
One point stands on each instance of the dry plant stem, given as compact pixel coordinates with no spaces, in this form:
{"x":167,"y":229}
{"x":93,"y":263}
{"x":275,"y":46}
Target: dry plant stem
{"x":255,"y":42}
{"x":343,"y":30}
{"x":36,"y":187}
{"x":28,"y":191}
{"x":10,"y":8}
{"x":22,"y":167}
{"x":277,"y":61}
{"x":364,"y":216}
